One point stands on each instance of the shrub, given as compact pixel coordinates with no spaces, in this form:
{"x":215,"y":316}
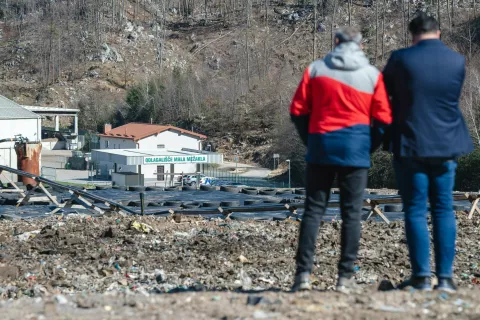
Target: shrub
{"x":468,"y":175}
{"x":381,"y":174}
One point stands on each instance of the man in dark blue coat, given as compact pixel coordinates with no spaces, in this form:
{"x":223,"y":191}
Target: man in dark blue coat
{"x":428,"y":134}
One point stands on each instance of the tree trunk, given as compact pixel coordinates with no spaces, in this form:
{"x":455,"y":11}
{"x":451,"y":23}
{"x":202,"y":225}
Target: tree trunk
{"x":449,"y":15}
{"x":349,"y":12}
{"x":206,"y":13}
{"x":439,"y":16}
{"x":408,"y":13}
{"x":113,"y":13}
{"x":376,"y":30}
{"x":265,"y":42}
{"x":266,"y":12}
{"x":404,"y":32}
{"x":247,"y":51}
{"x":453,"y":13}
{"x":383,"y":29}
{"x":315,"y":30}
{"x":332,"y":25}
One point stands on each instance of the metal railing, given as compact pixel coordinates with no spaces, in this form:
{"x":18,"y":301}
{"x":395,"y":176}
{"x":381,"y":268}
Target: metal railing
{"x":226,"y":178}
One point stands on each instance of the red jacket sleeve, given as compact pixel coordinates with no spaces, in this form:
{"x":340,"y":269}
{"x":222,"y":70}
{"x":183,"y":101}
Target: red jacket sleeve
{"x":302,"y":100}
{"x":381,"y":109}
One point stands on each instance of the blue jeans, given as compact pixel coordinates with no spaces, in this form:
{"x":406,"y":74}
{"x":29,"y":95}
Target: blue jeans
{"x":419,"y":179}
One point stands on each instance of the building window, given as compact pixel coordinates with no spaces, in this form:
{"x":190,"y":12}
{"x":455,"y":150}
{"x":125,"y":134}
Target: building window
{"x":106,"y":144}
{"x":160,"y":146}
{"x":114,"y":146}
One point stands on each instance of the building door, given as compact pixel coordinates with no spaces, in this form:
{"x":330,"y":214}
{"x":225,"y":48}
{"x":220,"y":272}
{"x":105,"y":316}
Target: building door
{"x":160,"y":171}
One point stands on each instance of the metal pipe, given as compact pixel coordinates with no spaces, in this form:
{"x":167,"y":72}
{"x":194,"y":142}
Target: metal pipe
{"x":77,"y":191}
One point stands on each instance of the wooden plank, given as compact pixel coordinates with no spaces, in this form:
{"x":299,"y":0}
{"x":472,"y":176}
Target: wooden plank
{"x":25,"y":199}
{"x":55,"y":210}
{"x":40,"y":198}
{"x":474,"y":208}
{"x":14,"y":185}
{"x":375,"y":210}
{"x":51,"y":198}
{"x":84,"y":202}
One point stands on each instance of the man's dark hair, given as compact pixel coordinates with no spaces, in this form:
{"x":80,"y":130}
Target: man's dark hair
{"x":422,"y":24}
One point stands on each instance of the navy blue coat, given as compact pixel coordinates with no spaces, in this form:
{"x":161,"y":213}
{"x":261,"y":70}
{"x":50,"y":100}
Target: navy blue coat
{"x":425,"y":83}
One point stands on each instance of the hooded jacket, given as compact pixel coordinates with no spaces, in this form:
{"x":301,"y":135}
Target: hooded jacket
{"x":338,"y":101}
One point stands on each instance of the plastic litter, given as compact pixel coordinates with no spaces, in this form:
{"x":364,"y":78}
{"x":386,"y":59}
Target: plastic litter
{"x":142,"y":227}
{"x":60,"y":299}
{"x":242,"y":259}
{"x":27,"y":235}
{"x":391,"y":309}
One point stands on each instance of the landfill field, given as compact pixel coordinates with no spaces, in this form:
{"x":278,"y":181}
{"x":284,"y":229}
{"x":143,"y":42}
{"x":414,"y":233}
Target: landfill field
{"x":81,"y":266}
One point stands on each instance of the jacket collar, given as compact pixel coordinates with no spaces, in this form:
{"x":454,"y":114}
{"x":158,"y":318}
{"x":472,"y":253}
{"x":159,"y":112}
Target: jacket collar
{"x":429,"y":42}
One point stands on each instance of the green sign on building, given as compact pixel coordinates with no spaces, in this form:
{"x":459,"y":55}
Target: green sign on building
{"x":174,"y":159}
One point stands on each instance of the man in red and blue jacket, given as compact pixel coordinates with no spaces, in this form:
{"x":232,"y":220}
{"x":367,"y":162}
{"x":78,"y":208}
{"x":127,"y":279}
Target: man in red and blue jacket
{"x":339,"y":110}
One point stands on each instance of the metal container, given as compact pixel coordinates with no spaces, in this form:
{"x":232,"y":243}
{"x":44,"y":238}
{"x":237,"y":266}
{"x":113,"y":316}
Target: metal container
{"x":28,"y":160}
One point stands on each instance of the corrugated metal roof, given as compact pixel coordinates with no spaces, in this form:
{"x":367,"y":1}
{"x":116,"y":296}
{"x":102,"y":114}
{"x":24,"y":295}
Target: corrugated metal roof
{"x":12,"y":110}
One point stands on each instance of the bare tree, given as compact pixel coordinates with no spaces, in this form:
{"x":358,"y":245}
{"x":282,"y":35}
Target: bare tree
{"x":439,"y":16}
{"x":349,"y":12}
{"x":383,"y":29}
{"x":376,"y":30}
{"x":449,"y":15}
{"x":453,"y":11}
{"x":332,"y":25}
{"x":315,"y":29}
{"x":247,"y":48}
{"x":404,"y":30}
{"x":206,"y":11}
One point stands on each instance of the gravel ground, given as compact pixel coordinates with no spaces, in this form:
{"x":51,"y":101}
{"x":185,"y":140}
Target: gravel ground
{"x":115,"y":267}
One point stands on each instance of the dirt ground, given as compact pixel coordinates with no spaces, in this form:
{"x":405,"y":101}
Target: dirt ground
{"x":116,"y":267}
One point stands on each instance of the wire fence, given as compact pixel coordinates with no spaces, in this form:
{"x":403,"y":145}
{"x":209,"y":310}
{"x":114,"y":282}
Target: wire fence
{"x":221,"y":177}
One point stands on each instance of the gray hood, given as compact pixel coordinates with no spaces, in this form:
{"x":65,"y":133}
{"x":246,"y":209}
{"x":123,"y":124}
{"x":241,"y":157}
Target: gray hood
{"x":346,"y":56}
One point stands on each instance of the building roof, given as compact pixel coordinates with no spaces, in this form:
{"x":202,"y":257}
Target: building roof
{"x":139,"y":131}
{"x":12,"y":110}
{"x":52,"y":110}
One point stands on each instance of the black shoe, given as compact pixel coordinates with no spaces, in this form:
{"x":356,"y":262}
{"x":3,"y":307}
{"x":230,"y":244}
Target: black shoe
{"x":446,"y":285}
{"x":302,"y":282}
{"x":417,"y":283}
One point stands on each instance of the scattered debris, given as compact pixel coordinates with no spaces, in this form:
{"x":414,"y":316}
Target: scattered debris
{"x":27,"y":235}
{"x":138,"y":256}
{"x":142,"y":227}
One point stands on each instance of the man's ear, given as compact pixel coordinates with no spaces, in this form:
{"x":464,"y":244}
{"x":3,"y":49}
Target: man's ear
{"x":336,"y":41}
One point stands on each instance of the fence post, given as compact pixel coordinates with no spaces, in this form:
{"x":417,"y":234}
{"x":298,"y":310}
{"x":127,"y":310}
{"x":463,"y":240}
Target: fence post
{"x":142,"y":203}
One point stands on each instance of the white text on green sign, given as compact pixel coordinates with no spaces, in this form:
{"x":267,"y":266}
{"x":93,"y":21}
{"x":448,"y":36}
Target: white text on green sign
{"x":175,"y":159}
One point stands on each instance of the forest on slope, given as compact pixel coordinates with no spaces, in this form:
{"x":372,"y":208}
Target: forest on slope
{"x":226,"y":68}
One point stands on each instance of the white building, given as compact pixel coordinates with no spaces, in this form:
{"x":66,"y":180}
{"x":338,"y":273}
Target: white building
{"x":16,"y":120}
{"x":153,"y":142}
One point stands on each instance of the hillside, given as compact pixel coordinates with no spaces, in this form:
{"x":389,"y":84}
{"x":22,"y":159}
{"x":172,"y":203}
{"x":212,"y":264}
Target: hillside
{"x":224,"y":68}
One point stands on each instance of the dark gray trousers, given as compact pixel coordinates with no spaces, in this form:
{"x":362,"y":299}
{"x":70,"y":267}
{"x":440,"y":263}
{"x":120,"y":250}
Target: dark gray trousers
{"x":352,"y":183}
